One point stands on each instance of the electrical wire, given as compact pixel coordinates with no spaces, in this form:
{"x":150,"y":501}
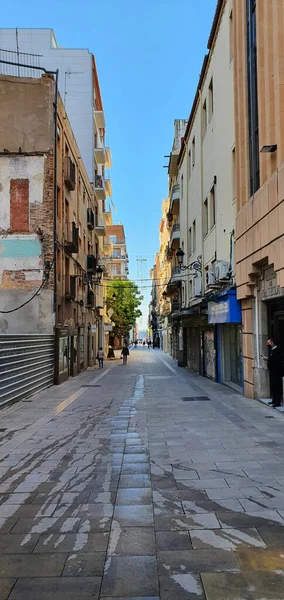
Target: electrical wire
{"x":6,"y":312}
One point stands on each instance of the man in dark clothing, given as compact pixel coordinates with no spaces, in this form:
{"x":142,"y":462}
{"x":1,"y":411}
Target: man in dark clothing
{"x":275,"y":367}
{"x":124,"y":353}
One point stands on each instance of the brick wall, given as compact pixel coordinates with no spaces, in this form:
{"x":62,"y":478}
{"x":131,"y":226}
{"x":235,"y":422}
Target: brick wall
{"x":19,"y":205}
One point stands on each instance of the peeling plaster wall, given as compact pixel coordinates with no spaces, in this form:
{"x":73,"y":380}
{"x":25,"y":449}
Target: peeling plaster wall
{"x":22,"y":255}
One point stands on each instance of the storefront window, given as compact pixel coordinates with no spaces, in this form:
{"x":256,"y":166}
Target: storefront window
{"x":82,"y":346}
{"x":63,"y":354}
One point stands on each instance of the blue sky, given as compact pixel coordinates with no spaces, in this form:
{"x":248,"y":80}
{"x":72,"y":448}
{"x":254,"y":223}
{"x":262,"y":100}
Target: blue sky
{"x":149,"y":55}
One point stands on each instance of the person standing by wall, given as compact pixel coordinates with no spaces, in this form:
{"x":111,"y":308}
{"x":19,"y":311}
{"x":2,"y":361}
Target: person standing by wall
{"x":274,"y":362}
{"x":100,"y":357}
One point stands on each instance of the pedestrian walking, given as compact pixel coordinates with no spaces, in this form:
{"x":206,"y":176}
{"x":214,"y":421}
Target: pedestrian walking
{"x":124,"y":353}
{"x":274,"y":363}
{"x":100,"y":357}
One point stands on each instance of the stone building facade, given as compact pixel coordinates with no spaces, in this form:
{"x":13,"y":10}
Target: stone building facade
{"x":259,"y":123}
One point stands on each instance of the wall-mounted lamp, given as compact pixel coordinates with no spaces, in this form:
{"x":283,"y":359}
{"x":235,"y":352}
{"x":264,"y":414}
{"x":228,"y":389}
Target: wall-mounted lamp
{"x":269,"y":149}
{"x":194,"y":266}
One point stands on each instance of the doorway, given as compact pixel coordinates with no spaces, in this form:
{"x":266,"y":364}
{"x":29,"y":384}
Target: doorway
{"x":232,"y":355}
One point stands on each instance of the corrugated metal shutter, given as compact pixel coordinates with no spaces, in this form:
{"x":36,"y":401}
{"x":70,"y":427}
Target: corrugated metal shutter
{"x":26,"y":365}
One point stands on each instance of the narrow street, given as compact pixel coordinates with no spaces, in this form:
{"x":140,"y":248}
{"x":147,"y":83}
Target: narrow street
{"x":141,"y":482}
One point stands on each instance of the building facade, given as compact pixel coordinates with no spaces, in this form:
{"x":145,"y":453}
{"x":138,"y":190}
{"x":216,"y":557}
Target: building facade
{"x":205,"y":317}
{"x":115,"y":255}
{"x":259,"y":119}
{"x":50,"y":241}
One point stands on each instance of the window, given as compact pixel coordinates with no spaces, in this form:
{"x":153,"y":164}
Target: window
{"x":212,"y":207}
{"x":231,"y":25}
{"x":189,"y":164}
{"x":234,"y":174}
{"x":66,"y":207}
{"x":204,"y":118}
{"x":193,"y":236}
{"x":84,"y":244}
{"x":205,"y":217}
{"x":181,"y":187}
{"x":193,"y":152}
{"x":58,"y":264}
{"x":117,"y":252}
{"x":190,"y":241}
{"x":211,"y":99}
{"x":113,"y":238}
{"x":252,"y":97}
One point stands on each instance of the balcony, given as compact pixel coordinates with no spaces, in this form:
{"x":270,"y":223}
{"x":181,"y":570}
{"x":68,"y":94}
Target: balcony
{"x":100,"y":119}
{"x":69,"y":173}
{"x":108,"y":162}
{"x":91,"y":263}
{"x":175,"y":198}
{"x":176,"y":274}
{"x":108,"y":186}
{"x":100,"y":155}
{"x":90,"y":302}
{"x":100,"y":188}
{"x":176,"y":306}
{"x":175,"y":236}
{"x":90,"y":218}
{"x":100,"y":226}
{"x":70,"y":293}
{"x":71,"y":243}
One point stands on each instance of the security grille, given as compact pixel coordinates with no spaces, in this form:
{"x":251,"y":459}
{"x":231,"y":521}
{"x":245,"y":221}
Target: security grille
{"x":26,"y":365}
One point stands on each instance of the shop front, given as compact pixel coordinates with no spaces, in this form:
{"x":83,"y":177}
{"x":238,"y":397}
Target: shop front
{"x":225,"y":314}
{"x":66,"y":352}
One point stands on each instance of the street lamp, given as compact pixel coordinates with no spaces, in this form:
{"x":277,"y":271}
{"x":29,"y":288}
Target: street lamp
{"x":194,"y":266}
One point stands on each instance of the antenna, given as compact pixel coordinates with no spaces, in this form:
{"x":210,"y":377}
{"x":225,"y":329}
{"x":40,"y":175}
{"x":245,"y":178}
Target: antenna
{"x":18,"y":52}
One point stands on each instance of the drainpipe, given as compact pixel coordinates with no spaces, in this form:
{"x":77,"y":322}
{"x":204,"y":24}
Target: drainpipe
{"x":55,"y":112}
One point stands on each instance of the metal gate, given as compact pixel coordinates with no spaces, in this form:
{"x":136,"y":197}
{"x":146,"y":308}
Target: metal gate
{"x":26,"y":365}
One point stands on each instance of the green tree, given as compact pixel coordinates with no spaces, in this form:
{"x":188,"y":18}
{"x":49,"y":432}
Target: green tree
{"x":124,"y":298}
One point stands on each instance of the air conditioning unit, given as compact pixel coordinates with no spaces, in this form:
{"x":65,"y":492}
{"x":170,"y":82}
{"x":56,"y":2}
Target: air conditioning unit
{"x":210,"y":277}
{"x":197,"y":286}
{"x":221,"y":269}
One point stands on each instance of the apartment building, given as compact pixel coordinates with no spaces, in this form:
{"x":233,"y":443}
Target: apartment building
{"x":115,"y":250}
{"x":49,"y":241}
{"x":259,"y":118}
{"x":205,"y":316}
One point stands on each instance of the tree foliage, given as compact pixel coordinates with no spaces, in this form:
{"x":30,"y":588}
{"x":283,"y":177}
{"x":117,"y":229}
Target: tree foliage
{"x":125,"y":306}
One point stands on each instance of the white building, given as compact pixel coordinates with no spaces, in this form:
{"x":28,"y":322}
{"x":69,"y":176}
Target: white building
{"x":82,"y":102}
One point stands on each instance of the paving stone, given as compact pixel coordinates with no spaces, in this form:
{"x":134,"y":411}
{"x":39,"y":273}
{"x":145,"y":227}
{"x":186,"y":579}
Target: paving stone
{"x":84,"y":564}
{"x":31,"y":565}
{"x":272,"y":536}
{"x":17,"y":544}
{"x":132,"y":481}
{"x":243,"y":586}
{"x":135,"y":469}
{"x":131,"y":516}
{"x":132,"y":541}
{"x":256,"y":519}
{"x":173,"y":540}
{"x":116,"y":580}
{"x":181,"y":586}
{"x":195,"y":521}
{"x":132,"y":496}
{"x":61,"y":588}
{"x":260,"y":559}
{"x":195,"y":561}
{"x":6,"y":586}
{"x":72,"y":542}
{"x":224,"y":539}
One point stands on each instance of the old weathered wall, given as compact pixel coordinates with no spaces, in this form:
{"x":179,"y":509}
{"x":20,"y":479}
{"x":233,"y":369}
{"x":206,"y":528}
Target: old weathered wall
{"x":26,"y":114}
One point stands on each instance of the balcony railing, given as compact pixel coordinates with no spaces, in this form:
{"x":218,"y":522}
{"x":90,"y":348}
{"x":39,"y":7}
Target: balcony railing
{"x":91,"y":263}
{"x":69,"y":173}
{"x":70,"y":293}
{"x":90,"y":218}
{"x":71,"y":243}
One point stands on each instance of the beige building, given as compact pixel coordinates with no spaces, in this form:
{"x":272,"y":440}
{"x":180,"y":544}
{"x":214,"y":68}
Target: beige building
{"x":51,"y":240}
{"x":259,"y":117}
{"x":115,"y":250}
{"x":205,"y":318}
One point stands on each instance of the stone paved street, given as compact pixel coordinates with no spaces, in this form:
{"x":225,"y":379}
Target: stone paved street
{"x":141,"y":482}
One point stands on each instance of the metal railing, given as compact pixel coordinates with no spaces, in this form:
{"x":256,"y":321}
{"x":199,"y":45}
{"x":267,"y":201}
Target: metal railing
{"x":27,"y":61}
